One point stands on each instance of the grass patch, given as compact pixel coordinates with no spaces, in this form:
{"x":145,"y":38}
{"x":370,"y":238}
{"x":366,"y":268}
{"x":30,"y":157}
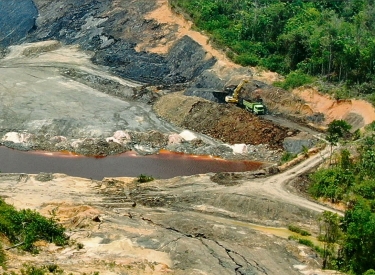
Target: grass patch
{"x":308,"y":243}
{"x":25,"y":227}
{"x":44,"y":270}
{"x":287,"y":156}
{"x":294,"y":80}
{"x":298,"y":230}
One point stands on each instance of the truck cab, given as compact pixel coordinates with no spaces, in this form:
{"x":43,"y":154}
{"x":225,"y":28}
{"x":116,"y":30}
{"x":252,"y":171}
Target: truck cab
{"x":257,"y":108}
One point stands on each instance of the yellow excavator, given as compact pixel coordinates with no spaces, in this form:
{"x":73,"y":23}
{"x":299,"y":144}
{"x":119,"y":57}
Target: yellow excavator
{"x":234,"y":97}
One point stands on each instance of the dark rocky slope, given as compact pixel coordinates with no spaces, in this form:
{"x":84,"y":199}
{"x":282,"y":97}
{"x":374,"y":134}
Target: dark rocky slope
{"x":16,"y":21}
{"x":112,"y":31}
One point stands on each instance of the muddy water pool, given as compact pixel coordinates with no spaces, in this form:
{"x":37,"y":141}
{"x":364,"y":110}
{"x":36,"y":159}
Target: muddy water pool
{"x":163,"y":165}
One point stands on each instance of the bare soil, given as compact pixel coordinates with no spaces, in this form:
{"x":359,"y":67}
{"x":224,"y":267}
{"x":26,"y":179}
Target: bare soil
{"x":228,"y":223}
{"x":358,"y":113}
{"x":225,"y":122}
{"x":184,"y":225}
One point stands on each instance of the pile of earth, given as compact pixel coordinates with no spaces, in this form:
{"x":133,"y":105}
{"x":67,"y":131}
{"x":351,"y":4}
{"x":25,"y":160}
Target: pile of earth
{"x":304,"y":105}
{"x":225,"y":122}
{"x":277,"y":101}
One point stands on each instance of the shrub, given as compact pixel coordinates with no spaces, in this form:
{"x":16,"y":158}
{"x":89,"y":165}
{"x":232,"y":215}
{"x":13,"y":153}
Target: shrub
{"x":306,"y":242}
{"x":298,"y":230}
{"x":144,"y":178}
{"x":27,"y":226}
{"x":246,"y":59}
{"x":287,"y":156}
{"x":2,"y":257}
{"x":295,"y":79}
{"x":33,"y":270}
{"x":366,"y":189}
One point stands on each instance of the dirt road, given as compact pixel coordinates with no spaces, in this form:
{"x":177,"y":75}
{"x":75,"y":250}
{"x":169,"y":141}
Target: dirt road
{"x":275,"y":185}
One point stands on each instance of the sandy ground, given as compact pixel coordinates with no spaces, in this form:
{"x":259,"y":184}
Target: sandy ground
{"x":357,"y":112}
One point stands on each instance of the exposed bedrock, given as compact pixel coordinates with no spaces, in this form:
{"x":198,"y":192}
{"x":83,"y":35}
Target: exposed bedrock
{"x":16,"y":21}
{"x":112,"y":30}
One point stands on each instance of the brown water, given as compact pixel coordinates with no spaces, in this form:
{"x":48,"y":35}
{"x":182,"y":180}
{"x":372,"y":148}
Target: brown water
{"x":163,"y":165}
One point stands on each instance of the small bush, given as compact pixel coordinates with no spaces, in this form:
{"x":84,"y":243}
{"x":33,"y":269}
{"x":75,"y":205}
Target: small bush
{"x":287,"y":156}
{"x":33,"y":270}
{"x":306,"y":242}
{"x":144,"y":178}
{"x":54,"y":268}
{"x":38,"y":270}
{"x":27,"y":226}
{"x":2,"y":257}
{"x":294,"y":238}
{"x":298,"y":230}
{"x":246,"y":59}
{"x":295,"y":79}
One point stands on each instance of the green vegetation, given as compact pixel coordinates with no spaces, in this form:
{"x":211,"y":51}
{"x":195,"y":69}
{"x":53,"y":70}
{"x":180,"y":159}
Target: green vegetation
{"x":330,"y":233}
{"x":144,"y":178}
{"x":337,"y":129}
{"x":3,"y":259}
{"x":308,"y":243}
{"x":43,"y":270}
{"x":287,"y":156}
{"x":349,"y":242}
{"x":331,"y":39}
{"x":24,"y":227}
{"x":295,"y":79}
{"x":298,"y":230}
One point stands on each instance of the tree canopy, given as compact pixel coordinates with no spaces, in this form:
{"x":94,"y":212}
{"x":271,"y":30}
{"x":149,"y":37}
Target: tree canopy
{"x":330,"y":38}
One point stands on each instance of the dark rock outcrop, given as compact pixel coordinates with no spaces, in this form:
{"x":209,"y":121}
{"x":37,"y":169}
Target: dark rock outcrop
{"x":16,"y":21}
{"x":113,"y":34}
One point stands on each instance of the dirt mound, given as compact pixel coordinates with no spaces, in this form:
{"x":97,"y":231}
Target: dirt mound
{"x":72,"y":216}
{"x":308,"y":106}
{"x":225,"y":122}
{"x":233,"y":125}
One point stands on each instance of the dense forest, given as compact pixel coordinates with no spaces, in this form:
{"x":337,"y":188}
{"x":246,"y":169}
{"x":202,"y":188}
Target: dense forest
{"x":334,"y":39}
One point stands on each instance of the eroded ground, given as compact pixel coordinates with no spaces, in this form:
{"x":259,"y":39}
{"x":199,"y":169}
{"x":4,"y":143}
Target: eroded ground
{"x":201,"y":224}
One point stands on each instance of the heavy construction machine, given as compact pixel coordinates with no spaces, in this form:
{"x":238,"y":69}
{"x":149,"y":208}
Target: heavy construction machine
{"x":254,"y":107}
{"x":234,"y":97}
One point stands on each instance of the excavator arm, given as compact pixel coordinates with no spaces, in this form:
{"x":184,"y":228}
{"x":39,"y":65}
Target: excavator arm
{"x":234,"y":98}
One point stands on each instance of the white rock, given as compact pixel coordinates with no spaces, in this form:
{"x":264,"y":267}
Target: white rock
{"x":239,"y":148}
{"x":299,"y":266}
{"x":174,"y":139}
{"x":75,"y":144}
{"x":188,"y":135}
{"x":122,"y":136}
{"x":58,"y":139}
{"x":16,"y":137}
{"x":112,"y":139}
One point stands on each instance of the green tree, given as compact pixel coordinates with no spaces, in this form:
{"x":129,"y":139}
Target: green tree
{"x":337,"y":129}
{"x":359,"y":243}
{"x":330,"y":233}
